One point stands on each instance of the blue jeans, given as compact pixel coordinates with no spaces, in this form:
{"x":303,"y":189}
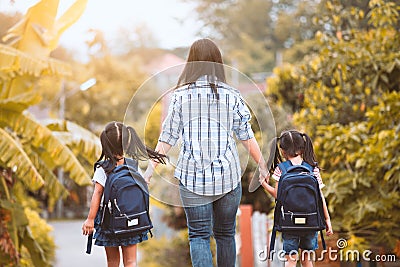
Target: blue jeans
{"x":214,"y":215}
{"x":305,"y":241}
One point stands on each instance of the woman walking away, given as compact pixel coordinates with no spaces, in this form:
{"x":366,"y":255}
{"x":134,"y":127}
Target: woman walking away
{"x":117,"y":141}
{"x":206,"y":112}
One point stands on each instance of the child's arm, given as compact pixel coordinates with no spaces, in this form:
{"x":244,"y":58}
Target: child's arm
{"x":162,"y":148}
{"x":272,"y":190}
{"x":88,"y":225}
{"x":329,"y":230}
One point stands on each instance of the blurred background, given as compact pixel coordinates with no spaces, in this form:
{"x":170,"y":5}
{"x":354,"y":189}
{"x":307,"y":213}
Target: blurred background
{"x":328,"y":68}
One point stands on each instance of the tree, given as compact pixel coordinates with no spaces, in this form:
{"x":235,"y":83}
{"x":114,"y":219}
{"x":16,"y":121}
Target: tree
{"x":30,"y":151}
{"x":351,"y":109}
{"x":253,"y":32}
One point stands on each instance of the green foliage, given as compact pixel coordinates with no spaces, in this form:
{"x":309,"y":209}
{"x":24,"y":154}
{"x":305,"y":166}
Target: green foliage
{"x":153,"y":125}
{"x":283,"y":86}
{"x":41,"y":234}
{"x":117,"y":80}
{"x":251,"y":56}
{"x":30,"y":151}
{"x":169,"y":252}
{"x":253,"y":32}
{"x":364,"y":172}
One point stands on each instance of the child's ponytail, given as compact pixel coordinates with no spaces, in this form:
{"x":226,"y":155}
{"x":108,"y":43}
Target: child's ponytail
{"x":134,"y":147}
{"x":309,"y":154}
{"x":274,"y":156}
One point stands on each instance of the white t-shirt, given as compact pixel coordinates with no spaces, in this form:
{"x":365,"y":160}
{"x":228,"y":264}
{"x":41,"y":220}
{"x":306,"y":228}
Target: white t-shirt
{"x":99,"y":176}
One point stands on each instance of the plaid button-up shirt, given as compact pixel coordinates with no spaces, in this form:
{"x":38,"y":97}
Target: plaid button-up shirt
{"x":208,"y":162}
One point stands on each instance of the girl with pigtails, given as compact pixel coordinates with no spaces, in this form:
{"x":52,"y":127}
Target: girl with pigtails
{"x":295,"y":147}
{"x":117,"y":141}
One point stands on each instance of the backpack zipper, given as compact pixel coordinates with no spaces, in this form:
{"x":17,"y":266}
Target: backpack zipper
{"x":116,"y":205}
{"x":120,"y":213}
{"x":109,"y":206}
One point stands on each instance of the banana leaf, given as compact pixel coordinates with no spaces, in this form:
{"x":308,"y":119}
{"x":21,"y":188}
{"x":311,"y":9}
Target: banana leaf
{"x":53,"y":187}
{"x":14,"y":62}
{"x":52,"y":151}
{"x":12,"y":155}
{"x":20,"y":102}
{"x":82,"y":142}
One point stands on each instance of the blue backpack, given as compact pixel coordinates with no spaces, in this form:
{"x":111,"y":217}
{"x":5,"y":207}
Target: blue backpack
{"x":126,"y":202}
{"x":299,"y":207}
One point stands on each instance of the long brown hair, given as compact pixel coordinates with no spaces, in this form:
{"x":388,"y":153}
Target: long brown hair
{"x":204,"y":59}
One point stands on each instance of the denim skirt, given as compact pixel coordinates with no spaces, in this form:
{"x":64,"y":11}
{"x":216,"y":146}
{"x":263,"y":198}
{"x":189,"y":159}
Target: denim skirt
{"x":110,"y":241}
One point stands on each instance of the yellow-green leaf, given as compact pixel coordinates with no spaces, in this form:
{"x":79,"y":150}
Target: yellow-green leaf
{"x":13,"y":156}
{"x":43,"y":139}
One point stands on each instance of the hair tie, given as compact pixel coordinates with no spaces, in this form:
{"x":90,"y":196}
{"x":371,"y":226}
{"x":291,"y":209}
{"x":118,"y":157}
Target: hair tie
{"x":118,"y":133}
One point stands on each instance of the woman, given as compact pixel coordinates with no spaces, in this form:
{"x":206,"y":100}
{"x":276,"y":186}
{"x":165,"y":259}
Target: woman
{"x":206,"y":112}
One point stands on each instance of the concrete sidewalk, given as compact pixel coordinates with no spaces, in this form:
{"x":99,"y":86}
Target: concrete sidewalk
{"x":71,"y":246}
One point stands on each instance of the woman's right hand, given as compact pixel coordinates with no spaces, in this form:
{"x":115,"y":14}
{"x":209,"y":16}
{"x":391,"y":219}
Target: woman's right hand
{"x":88,"y":227}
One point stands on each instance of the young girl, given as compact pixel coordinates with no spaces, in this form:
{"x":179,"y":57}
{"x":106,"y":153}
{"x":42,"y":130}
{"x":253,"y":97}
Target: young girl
{"x":117,"y":140}
{"x":296,"y":147}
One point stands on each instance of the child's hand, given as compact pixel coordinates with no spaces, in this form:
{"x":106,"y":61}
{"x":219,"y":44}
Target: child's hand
{"x":88,"y":227}
{"x":148,"y":174}
{"x":329,"y":230}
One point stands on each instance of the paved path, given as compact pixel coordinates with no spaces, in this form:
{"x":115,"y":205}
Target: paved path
{"x":71,"y":246}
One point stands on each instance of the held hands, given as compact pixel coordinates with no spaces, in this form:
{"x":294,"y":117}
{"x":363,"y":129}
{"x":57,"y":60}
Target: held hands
{"x":88,"y":227}
{"x":264,"y":175}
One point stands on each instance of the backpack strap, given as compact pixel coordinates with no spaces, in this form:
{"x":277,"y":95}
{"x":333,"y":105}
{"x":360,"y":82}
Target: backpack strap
{"x":308,"y":166}
{"x":322,"y":240}
{"x":284,"y":166}
{"x":272,"y":243}
{"x":274,"y":229}
{"x":89,"y":243}
{"x":311,"y":169}
{"x":132,"y":163}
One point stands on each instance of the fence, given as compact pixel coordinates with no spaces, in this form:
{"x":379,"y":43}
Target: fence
{"x":255,"y":229}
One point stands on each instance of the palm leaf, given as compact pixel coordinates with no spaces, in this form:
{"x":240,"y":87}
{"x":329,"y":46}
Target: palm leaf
{"x":20,"y":102}
{"x":67,"y":19}
{"x":13,"y":156}
{"x":54,"y":188}
{"x":82,"y":142}
{"x":77,"y":135}
{"x":14,"y":62}
{"x":48,"y":147}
